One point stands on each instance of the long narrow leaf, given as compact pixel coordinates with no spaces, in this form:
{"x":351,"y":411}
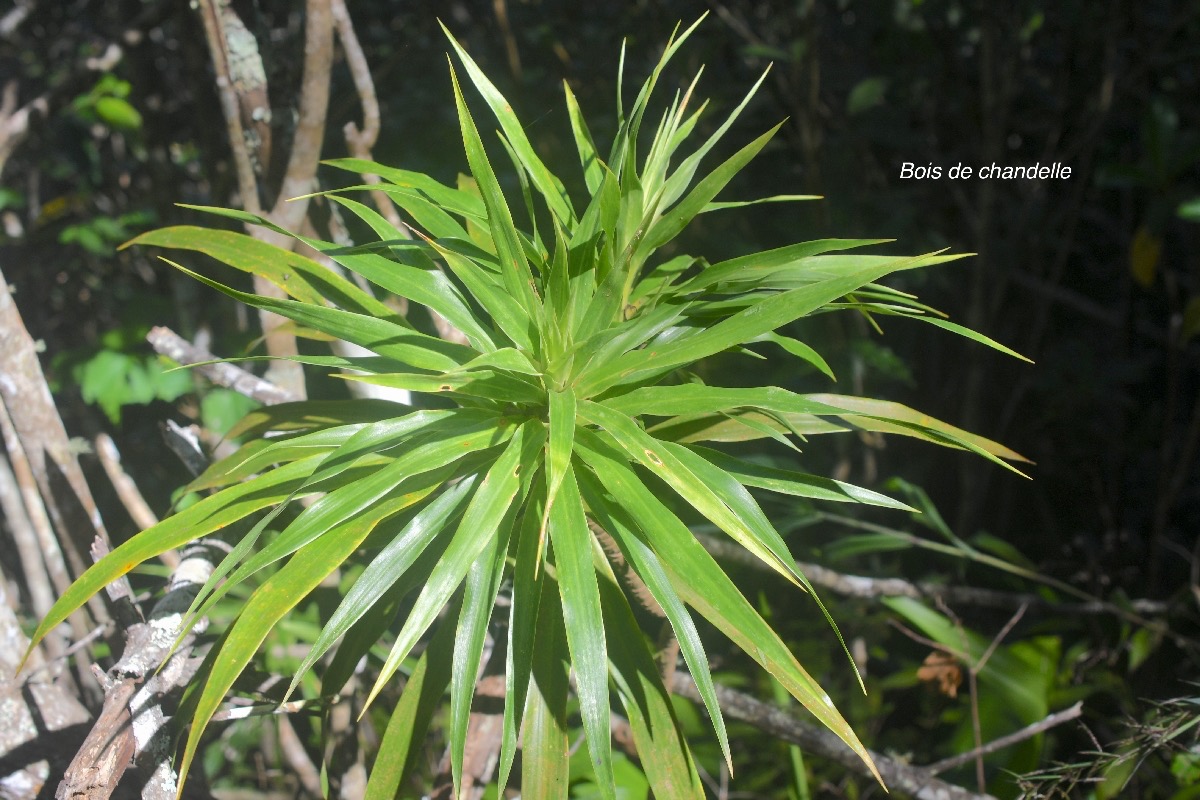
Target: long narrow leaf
{"x":479,"y":523}
{"x":387,"y":567}
{"x":269,"y":603}
{"x":196,"y":521}
{"x":647,"y":566}
{"x":585,"y":625}
{"x":515,"y":269}
{"x":410,"y":719}
{"x":702,"y":583}
{"x":545,"y":765}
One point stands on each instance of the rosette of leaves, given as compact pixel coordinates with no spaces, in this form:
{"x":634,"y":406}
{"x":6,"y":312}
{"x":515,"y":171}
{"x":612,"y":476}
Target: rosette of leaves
{"x":565,"y":413}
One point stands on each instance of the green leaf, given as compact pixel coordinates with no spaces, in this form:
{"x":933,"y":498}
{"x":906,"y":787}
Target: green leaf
{"x":647,"y":566}
{"x":300,"y":277}
{"x":403,"y":482}
{"x":454,"y":200}
{"x":386,"y":568}
{"x":407,"y":480}
{"x":866,"y":94}
{"x":972,"y":335}
{"x":383,"y":337}
{"x":763,"y":317}
{"x":677,"y":218}
{"x":572,"y":541}
{"x":544,"y":764}
{"x":479,"y":598}
{"x":797,"y":484}
{"x":479,"y":524}
{"x":800,"y":350}
{"x":504,"y":308}
{"x":695,"y":398}
{"x":588,"y":158}
{"x":660,"y":743}
{"x":255,"y":456}
{"x":1189,"y":210}
{"x":523,"y":628}
{"x":409,"y":274}
{"x":118,"y":113}
{"x":751,"y":268}
{"x":884,"y":410}
{"x":550,"y":187}
{"x":679,"y":181}
{"x":1005,"y":673}
{"x":315,"y":414}
{"x":194,"y":522}
{"x":561,"y":443}
{"x":778,"y":198}
{"x":701,"y":583}
{"x":269,"y":603}
{"x":513,"y":267}
{"x":739,"y":517}
{"x":494,"y":386}
{"x":410,"y":719}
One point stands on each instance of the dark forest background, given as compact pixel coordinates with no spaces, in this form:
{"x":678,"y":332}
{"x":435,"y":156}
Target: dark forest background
{"x":1096,"y":278}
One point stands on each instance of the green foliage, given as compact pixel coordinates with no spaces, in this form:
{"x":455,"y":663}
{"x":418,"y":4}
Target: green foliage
{"x":572,"y":401}
{"x":107,"y":103}
{"x":101,"y":235}
{"x":117,"y":375}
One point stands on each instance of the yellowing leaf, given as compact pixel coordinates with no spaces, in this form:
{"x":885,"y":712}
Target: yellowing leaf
{"x":1143,"y":256}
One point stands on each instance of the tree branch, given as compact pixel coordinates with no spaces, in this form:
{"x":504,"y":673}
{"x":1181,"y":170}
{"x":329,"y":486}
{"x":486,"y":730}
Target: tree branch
{"x":14,"y":122}
{"x":359,"y":142}
{"x":170,"y":344}
{"x":1028,"y":732}
{"x":310,"y":127}
{"x":131,"y":724}
{"x":913,"y":781}
{"x":868,"y":587}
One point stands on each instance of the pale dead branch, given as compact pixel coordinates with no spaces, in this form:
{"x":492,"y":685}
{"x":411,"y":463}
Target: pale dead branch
{"x":170,"y":344}
{"x":130,"y":728}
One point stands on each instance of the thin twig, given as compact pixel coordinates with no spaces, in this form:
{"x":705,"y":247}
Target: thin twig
{"x":128,"y":493}
{"x":25,"y":536}
{"x":298,"y":759}
{"x":1001,"y":636}
{"x":1028,"y":732}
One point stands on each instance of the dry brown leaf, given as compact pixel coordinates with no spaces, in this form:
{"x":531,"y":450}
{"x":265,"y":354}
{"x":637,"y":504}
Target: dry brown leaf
{"x":943,"y":668}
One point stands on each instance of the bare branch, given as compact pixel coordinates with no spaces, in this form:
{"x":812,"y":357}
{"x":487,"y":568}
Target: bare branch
{"x":360,"y":142}
{"x":131,"y":725}
{"x":170,"y":344}
{"x":25,"y":535}
{"x":913,"y":781}
{"x":868,"y":587}
{"x":40,"y":715}
{"x":128,"y":493}
{"x":220,"y":25}
{"x":39,"y":431}
{"x":219,"y":48}
{"x":16,"y":15}
{"x":310,"y":127}
{"x":1028,"y":732}
{"x":298,"y":759}
{"x":14,"y":122}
